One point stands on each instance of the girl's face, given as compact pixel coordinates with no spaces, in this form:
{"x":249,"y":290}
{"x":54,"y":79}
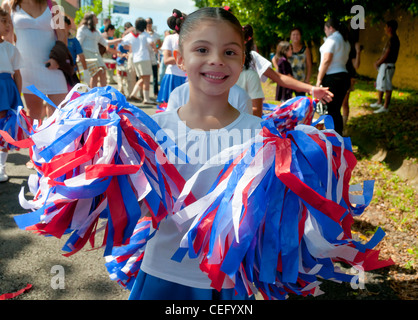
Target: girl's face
{"x":289,"y":52}
{"x":212,"y":56}
{"x":5,"y":25}
{"x":295,"y":36}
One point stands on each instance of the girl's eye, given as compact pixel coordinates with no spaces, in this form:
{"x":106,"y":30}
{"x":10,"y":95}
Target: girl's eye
{"x":230,"y":53}
{"x":201,"y":50}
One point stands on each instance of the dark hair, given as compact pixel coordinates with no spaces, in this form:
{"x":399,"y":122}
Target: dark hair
{"x":109,"y":27}
{"x":393,"y":24}
{"x":296,"y":29}
{"x":88,"y":21}
{"x":3,"y":13}
{"x":249,"y":44}
{"x":149,"y":19}
{"x":127,"y":25}
{"x":337,"y":25}
{"x":175,"y":21}
{"x":140,"y":24}
{"x":67,"y":20}
{"x":208,"y":13}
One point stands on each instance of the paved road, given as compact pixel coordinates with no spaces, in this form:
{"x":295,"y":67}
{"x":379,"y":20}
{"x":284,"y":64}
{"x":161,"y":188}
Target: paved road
{"x":26,"y":258}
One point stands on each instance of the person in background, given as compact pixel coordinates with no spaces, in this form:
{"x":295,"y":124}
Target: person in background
{"x":249,"y":79}
{"x":301,"y":59}
{"x":282,"y":65}
{"x":89,"y":39}
{"x":353,"y":64}
{"x":154,"y":54}
{"x":110,"y":54}
{"x":74,"y":46}
{"x":10,"y":84}
{"x":332,"y":69}
{"x":386,"y":67}
{"x":140,"y":43}
{"x":106,"y":22}
{"x":173,"y":76}
{"x":35,"y":37}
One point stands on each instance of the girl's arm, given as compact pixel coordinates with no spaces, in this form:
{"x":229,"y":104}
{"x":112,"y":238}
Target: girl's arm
{"x":275,"y":65}
{"x":83,"y":60}
{"x":308,"y":65}
{"x":168,"y":57}
{"x":324,"y":67}
{"x":17,"y":77}
{"x":257,"y":107}
{"x":320,"y":93}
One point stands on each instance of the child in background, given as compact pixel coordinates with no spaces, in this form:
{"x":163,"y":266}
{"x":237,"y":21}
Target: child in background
{"x":10,"y":83}
{"x":282,"y":65}
{"x":75,"y":49}
{"x":211,"y":51}
{"x":140,"y":42}
{"x":173,"y":76}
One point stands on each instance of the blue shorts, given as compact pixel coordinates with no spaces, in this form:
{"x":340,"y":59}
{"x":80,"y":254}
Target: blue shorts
{"x":147,"y":287}
{"x":9,"y":95}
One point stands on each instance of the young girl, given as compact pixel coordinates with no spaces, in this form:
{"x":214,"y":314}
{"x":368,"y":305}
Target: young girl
{"x":282,"y":65}
{"x":249,"y":79}
{"x":140,"y":42}
{"x":173,"y":76}
{"x":211,"y":51}
{"x":10,"y":83}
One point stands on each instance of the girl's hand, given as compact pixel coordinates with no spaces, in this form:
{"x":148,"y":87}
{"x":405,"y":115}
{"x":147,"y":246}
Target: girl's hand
{"x":322,"y":94}
{"x":51,"y":64}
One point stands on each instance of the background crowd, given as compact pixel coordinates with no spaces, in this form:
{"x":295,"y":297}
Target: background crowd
{"x":142,"y":63}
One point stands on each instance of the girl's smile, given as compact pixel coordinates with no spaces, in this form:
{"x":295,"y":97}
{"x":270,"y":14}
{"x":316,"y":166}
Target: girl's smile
{"x":213,"y":56}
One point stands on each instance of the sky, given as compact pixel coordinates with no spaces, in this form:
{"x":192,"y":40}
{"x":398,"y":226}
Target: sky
{"x":158,"y":10}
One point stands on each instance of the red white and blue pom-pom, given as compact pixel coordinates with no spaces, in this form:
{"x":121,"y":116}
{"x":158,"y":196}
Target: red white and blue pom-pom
{"x":96,"y":157}
{"x":277,"y":219}
{"x":15,"y":126}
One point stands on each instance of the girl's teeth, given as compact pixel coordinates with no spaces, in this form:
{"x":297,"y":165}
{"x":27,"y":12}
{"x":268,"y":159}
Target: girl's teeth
{"x":214,"y":77}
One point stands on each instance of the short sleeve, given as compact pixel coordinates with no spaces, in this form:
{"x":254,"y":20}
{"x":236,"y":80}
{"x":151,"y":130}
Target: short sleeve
{"x":17,"y":61}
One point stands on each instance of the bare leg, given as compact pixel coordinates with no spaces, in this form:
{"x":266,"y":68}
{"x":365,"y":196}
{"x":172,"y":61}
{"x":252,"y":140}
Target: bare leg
{"x":388,"y":97}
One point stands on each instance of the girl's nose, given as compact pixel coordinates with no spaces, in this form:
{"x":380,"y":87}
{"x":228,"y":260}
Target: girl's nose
{"x":216,"y":58}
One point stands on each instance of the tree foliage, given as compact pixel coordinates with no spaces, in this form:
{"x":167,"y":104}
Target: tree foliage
{"x":97,"y":8}
{"x":273,"y":20}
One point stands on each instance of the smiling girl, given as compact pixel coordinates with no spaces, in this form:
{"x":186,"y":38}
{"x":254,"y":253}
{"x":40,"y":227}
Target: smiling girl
{"x":211,"y":51}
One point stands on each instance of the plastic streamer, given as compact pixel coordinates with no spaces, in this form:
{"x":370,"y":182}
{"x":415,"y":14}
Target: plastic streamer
{"x":276,"y":220}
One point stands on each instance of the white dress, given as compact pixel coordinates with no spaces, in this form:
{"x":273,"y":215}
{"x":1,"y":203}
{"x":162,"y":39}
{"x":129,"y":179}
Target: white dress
{"x":35,"y":39}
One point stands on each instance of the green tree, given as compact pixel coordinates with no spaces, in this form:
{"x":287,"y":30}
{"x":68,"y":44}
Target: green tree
{"x":273,"y":20}
{"x":97,"y":8}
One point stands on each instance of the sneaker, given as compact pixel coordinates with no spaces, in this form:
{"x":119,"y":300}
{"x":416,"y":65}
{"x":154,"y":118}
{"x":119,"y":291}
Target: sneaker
{"x":380,"y":110}
{"x":3,"y":176}
{"x":376,"y":105}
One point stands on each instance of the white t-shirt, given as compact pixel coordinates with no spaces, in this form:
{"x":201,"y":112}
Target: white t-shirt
{"x":260,"y":65}
{"x":154,"y":37}
{"x":171,"y":43}
{"x":238,"y":98}
{"x":10,"y":58}
{"x":250,"y":82}
{"x":199,"y":146}
{"x":89,"y":40}
{"x":140,"y":45}
{"x":340,"y":50}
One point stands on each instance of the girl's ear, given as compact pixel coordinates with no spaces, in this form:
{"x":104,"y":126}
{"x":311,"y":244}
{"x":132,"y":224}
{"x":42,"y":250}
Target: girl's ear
{"x":179,"y":59}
